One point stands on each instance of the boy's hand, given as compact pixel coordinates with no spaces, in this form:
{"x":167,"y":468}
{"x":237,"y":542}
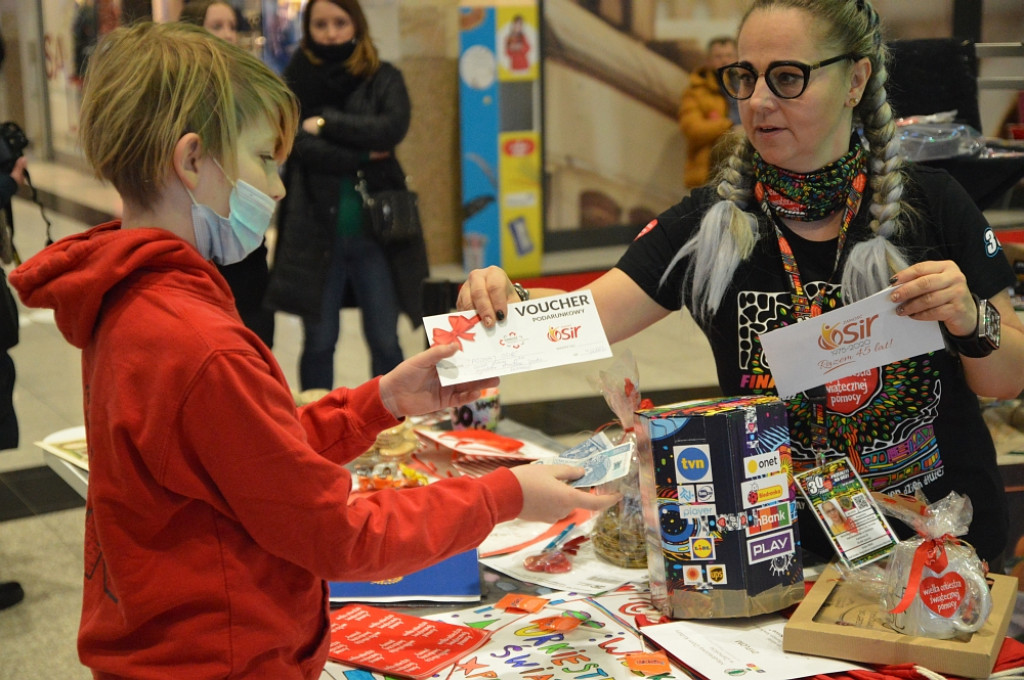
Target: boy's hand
{"x":548,"y":498}
{"x":413,"y":387}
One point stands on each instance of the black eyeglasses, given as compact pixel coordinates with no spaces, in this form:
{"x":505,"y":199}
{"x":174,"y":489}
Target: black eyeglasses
{"x":787,"y":79}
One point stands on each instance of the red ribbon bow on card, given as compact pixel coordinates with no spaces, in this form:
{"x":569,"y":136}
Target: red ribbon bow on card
{"x":459,"y":327}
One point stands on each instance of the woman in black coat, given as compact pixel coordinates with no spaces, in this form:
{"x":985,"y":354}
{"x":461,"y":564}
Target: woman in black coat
{"x":355,"y":111}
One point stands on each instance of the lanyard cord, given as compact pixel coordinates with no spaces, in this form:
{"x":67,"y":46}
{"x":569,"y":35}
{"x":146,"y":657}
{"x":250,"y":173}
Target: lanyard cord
{"x":804,"y":308}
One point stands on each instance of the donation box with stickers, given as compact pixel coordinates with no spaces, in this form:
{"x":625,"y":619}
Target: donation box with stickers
{"x":719,"y":505}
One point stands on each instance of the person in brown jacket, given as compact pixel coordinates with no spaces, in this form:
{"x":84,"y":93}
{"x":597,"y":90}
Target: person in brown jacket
{"x":705,"y":114}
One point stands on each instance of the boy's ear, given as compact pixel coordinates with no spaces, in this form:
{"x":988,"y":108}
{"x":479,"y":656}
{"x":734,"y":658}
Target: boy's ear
{"x":188,"y":152}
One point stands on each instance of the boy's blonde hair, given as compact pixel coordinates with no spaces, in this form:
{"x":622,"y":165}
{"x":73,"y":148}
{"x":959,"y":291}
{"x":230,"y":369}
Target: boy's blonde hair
{"x":149,"y":84}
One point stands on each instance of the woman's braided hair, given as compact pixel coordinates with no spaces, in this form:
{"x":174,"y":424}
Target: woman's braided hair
{"x":728,"y":232}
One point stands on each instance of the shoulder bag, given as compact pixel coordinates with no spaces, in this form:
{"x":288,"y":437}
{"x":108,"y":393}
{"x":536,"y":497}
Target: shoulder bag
{"x":390,"y":216}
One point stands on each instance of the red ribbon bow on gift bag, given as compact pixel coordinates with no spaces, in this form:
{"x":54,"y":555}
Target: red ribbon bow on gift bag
{"x":931,"y":554}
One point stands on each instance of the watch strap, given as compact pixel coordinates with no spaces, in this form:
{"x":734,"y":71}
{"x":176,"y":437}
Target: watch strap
{"x":981,"y":342}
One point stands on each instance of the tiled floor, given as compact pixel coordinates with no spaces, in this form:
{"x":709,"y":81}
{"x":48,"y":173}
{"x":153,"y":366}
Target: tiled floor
{"x":42,"y":548}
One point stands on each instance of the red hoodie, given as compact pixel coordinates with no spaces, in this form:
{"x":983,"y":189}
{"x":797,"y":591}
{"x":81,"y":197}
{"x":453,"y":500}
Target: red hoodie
{"x":215,"y":508}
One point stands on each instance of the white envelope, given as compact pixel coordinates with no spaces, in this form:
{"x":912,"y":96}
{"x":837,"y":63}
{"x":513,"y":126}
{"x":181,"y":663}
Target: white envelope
{"x":844,"y":342}
{"x":541,"y":333}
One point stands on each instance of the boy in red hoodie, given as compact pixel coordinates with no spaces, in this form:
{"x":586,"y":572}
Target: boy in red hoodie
{"x":216,"y":510}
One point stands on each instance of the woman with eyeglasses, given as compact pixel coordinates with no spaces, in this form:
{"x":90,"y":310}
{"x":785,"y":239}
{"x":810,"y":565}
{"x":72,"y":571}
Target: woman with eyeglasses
{"x":815,"y":209}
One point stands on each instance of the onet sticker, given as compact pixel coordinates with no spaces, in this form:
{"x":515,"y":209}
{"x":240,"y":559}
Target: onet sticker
{"x":762,"y":464}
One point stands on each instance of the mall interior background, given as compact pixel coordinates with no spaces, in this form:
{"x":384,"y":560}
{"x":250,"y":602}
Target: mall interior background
{"x":604,"y":62}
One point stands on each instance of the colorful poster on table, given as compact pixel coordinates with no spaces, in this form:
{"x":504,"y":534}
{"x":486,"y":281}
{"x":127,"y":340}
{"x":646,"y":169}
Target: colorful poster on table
{"x":499,"y":103}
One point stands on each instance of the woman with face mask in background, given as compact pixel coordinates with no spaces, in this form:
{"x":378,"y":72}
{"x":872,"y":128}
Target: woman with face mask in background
{"x":355,"y":110}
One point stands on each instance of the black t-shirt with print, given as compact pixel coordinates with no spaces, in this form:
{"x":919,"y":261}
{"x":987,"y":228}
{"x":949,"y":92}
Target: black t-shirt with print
{"x":908,"y":425}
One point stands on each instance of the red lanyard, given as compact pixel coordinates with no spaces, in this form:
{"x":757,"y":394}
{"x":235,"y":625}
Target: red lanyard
{"x":805,"y":308}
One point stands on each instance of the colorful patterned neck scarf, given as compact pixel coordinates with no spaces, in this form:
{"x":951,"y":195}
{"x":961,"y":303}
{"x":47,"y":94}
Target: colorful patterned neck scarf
{"x":811,"y":196}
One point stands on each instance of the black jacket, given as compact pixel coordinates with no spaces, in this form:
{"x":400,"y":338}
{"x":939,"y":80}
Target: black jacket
{"x":373,"y":117}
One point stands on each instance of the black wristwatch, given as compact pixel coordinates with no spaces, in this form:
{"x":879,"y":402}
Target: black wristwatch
{"x":985,"y":338}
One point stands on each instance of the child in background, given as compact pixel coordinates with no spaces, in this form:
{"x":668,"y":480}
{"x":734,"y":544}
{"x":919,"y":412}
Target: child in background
{"x":215,"y":508}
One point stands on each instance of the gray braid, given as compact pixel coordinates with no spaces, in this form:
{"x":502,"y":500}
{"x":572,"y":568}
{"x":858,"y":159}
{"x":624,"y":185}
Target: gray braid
{"x":726,"y":236}
{"x":872,"y":262}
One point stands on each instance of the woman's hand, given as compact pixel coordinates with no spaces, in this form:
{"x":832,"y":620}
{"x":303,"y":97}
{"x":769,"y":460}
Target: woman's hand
{"x":413,"y":388}
{"x":547,"y":497}
{"x":936,"y":291}
{"x":311,"y":125}
{"x":488,"y":291}
{"x":18,"y":171}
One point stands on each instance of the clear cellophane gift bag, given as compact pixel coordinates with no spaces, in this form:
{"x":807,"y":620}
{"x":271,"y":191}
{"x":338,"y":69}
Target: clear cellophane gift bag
{"x":618,"y":533}
{"x":931,"y":585}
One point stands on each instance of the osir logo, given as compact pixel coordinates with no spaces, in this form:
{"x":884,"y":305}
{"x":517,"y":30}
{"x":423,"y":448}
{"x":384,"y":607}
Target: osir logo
{"x":833,"y":337}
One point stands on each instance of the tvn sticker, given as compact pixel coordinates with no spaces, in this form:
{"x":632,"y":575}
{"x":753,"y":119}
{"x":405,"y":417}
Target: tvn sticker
{"x":693,"y":463}
{"x":762,"y":464}
{"x":770,"y":546}
{"x":765,"y":490}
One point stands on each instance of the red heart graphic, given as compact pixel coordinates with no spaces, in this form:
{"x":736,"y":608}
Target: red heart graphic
{"x":943,"y":595}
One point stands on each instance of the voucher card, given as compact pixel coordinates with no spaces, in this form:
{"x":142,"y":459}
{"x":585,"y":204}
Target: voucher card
{"x":551,"y":331}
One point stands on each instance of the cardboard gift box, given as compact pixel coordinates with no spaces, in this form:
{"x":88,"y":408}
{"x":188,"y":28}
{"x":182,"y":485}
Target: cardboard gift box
{"x":719,"y":507}
{"x":839,"y":620}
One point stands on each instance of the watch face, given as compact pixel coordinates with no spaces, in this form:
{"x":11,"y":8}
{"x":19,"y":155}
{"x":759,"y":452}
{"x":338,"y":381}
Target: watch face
{"x":992,"y":324}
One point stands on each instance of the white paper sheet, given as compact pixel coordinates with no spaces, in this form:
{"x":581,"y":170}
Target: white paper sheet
{"x":845,"y":342}
{"x":728,"y":648}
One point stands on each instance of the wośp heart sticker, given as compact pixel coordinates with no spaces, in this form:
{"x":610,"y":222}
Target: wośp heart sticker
{"x":943,"y":595}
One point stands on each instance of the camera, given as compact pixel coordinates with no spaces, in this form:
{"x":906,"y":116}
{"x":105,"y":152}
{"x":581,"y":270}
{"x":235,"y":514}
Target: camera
{"x":12,"y":144}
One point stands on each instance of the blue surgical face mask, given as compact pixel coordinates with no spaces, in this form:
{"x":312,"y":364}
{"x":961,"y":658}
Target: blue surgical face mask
{"x":227,"y":240}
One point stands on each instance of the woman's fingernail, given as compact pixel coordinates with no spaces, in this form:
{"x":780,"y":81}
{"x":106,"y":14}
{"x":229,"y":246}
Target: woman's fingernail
{"x":899,"y":310}
{"x":500,"y":315}
{"x":894,"y":278}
